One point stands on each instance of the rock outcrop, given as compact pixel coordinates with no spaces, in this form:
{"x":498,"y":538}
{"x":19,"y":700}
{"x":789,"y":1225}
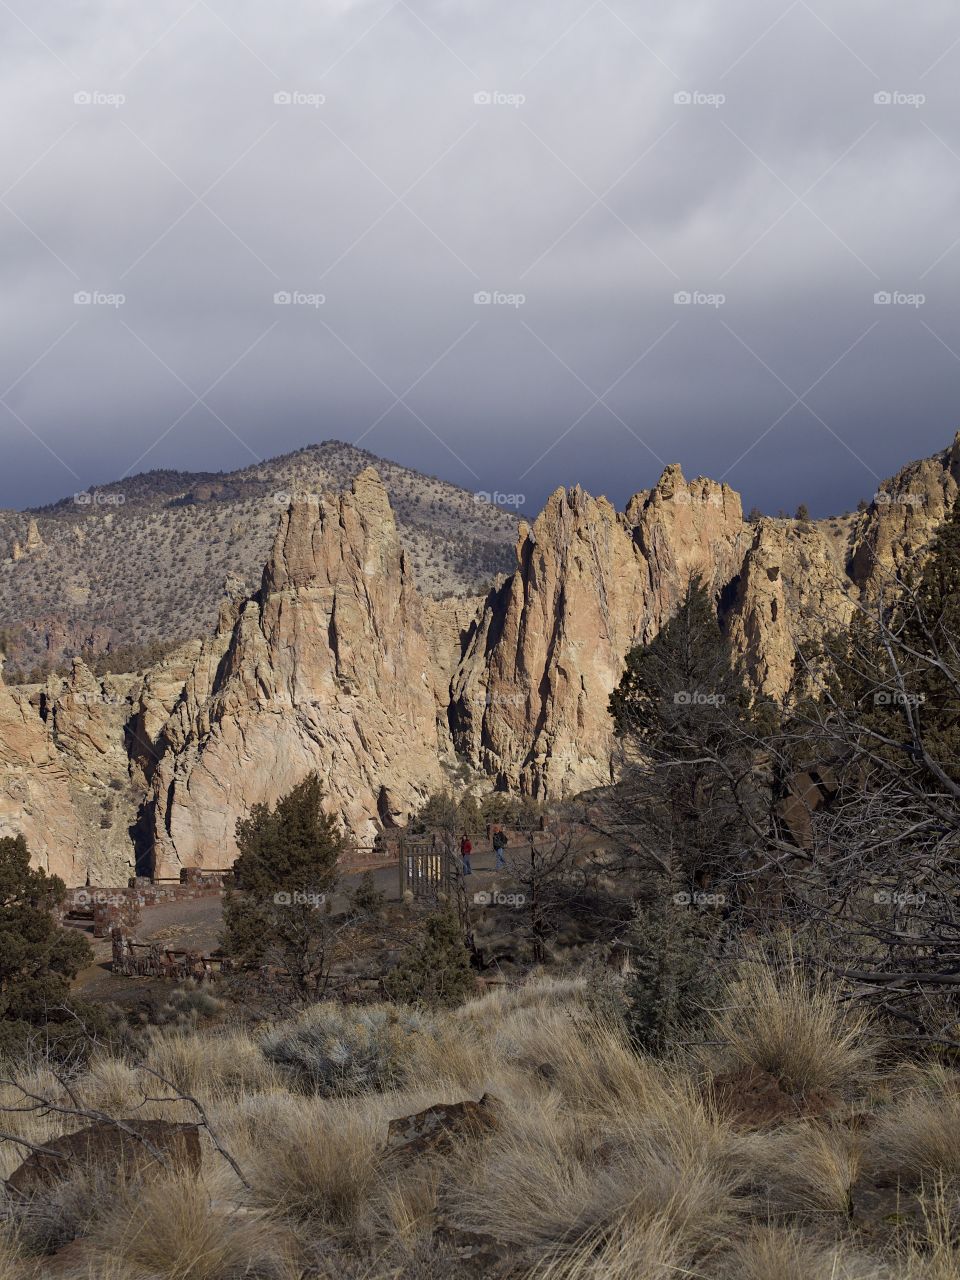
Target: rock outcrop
{"x":529,"y":702}
{"x":35,"y":798}
{"x":329,"y":667}
{"x":337,"y":664}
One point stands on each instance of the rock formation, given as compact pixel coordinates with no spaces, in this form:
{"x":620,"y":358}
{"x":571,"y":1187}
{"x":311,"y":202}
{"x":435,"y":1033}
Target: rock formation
{"x":329,"y":667}
{"x":338,"y":664}
{"x":35,"y":798}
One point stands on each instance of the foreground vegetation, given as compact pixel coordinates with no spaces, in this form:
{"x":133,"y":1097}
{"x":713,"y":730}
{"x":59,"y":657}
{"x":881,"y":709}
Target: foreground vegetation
{"x":789,"y":1143}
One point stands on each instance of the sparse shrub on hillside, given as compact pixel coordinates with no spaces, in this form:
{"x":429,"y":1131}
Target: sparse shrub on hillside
{"x":434,"y":969}
{"x":335,"y":1051}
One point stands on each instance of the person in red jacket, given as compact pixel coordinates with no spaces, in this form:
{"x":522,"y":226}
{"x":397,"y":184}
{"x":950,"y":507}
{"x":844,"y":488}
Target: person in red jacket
{"x":466,"y":848}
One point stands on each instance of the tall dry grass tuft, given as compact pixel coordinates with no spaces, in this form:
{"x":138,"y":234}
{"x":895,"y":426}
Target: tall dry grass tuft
{"x":318,"y":1162}
{"x":933,"y":1253}
{"x":772,"y":1253}
{"x":169,"y":1227}
{"x":626,"y":1251}
{"x":212,"y":1066}
{"x":617,"y":1139}
{"x":918,"y":1136}
{"x":778,"y":1020}
{"x":807,"y":1168}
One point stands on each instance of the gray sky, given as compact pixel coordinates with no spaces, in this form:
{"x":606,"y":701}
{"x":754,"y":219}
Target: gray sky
{"x":144,"y":155}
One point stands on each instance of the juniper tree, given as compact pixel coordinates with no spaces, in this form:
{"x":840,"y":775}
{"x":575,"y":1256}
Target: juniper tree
{"x":38,"y":958}
{"x":276,"y":913}
{"x":688,"y":799}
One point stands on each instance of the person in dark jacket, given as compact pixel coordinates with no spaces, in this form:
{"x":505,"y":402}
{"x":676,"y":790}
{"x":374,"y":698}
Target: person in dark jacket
{"x":499,"y":844}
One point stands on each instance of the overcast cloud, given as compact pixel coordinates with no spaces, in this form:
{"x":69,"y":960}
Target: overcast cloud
{"x":596,"y":159}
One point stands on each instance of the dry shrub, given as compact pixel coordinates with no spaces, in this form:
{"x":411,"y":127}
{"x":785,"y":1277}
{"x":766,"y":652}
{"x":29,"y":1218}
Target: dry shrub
{"x":62,"y":1211}
{"x":408,"y":1206}
{"x":807,"y":1168}
{"x":652,"y":1153}
{"x":317,"y":1161}
{"x":169,"y":1227}
{"x":777,"y":1020}
{"x":918,"y":1136}
{"x":212,"y":1065}
{"x":769,"y":1253}
{"x":934,"y":1252}
{"x":627,"y":1251}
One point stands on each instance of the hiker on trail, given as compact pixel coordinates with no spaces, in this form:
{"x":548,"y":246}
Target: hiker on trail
{"x":499,"y":844}
{"x":466,"y":848}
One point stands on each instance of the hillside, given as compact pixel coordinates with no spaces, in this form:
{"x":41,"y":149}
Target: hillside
{"x":141,"y":566}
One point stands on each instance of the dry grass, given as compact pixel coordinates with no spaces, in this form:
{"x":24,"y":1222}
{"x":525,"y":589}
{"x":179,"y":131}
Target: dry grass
{"x":627,"y":1251}
{"x":318,"y":1162}
{"x":777,"y":1020}
{"x":918,"y":1134}
{"x":605,"y":1163}
{"x":807,"y":1168}
{"x":169,"y":1227}
{"x":769,"y":1253}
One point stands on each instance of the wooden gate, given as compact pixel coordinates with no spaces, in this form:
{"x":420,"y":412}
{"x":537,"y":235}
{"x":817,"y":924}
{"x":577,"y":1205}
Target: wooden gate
{"x":426,"y":867}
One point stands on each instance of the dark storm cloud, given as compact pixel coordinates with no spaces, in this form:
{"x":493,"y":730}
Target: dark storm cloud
{"x":598,"y":159}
